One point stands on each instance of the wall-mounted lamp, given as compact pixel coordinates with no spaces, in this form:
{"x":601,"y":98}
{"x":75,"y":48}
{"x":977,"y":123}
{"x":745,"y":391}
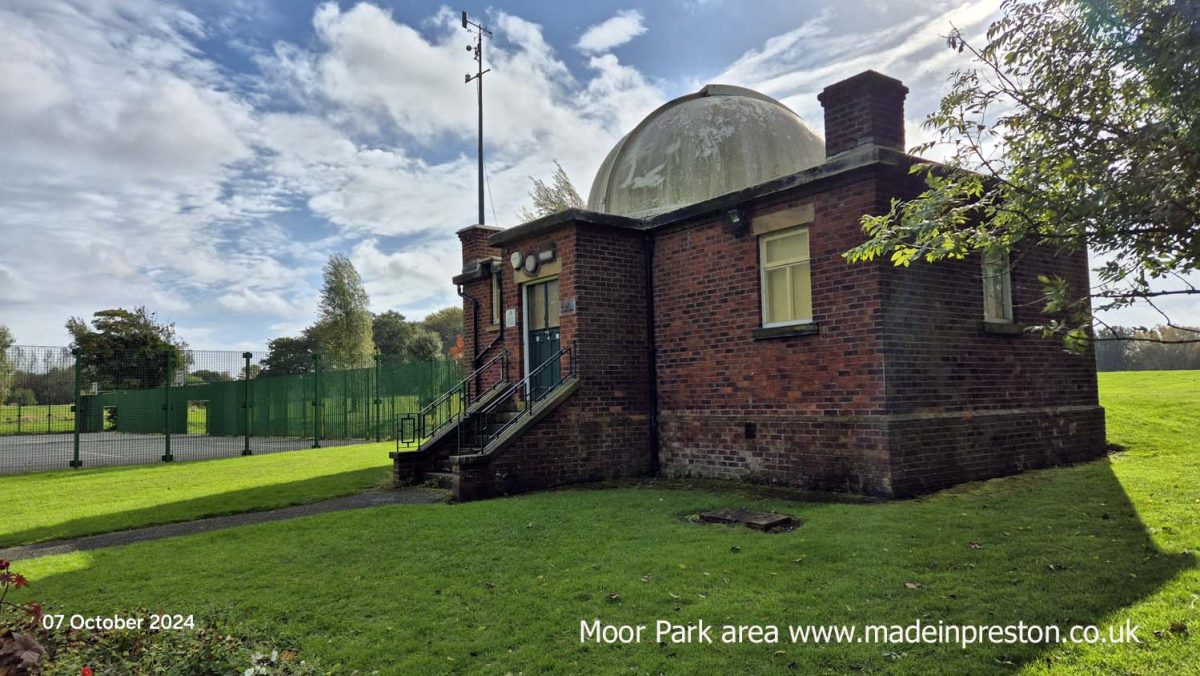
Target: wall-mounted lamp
{"x":738,"y":221}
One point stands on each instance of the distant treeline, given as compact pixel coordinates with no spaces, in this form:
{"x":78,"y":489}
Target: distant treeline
{"x":1123,"y":348}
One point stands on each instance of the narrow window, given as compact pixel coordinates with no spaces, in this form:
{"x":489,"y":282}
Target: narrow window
{"x":997,"y":287}
{"x":786,"y":286}
{"x":496,"y":297}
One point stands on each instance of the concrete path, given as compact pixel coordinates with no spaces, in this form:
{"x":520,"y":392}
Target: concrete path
{"x":415,"y":495}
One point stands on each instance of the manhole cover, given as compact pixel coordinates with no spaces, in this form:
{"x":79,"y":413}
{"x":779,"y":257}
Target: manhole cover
{"x":756,"y":520}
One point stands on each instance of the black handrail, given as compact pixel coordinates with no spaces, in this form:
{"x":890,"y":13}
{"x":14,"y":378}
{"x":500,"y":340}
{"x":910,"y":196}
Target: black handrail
{"x":523,"y":391}
{"x":462,"y":393}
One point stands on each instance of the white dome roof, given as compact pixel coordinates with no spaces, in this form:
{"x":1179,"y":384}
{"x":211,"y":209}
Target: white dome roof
{"x":716,"y":141}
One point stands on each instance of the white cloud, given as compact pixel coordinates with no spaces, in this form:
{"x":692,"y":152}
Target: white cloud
{"x":796,"y":65}
{"x":624,"y":26}
{"x":136,"y":170}
{"x":121,"y":143}
{"x":368,"y":74}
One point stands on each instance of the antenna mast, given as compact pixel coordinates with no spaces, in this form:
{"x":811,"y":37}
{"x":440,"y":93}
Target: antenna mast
{"x":479,"y":30}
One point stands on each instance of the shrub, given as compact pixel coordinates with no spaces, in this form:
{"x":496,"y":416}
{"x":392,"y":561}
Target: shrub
{"x":22,"y":396}
{"x":212,"y":648}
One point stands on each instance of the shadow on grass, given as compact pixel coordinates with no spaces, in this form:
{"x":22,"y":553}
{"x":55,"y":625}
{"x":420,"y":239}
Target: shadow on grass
{"x":1056,"y":547}
{"x":255,"y":499}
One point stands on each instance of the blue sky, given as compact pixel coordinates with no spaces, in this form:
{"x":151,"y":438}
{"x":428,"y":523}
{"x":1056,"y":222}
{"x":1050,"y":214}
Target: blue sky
{"x":205,"y":158}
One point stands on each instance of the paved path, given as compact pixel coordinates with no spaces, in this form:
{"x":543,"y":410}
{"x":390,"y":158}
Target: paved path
{"x":416,"y":495}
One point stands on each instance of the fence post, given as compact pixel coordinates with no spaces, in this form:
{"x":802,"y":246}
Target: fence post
{"x":49,"y":419}
{"x":167,"y":457}
{"x":246,"y":403}
{"x":18,"y":417}
{"x":78,"y":354}
{"x":316,"y":400}
{"x":378,"y":399}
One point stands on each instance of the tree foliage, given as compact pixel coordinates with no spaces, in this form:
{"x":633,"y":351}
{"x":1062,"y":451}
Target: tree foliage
{"x":1161,"y":348}
{"x":287,"y":356}
{"x":126,"y":349}
{"x":21,"y":396}
{"x":343,"y":332}
{"x":425,"y":345}
{"x":558,"y":195}
{"x":6,"y":341}
{"x":1076,"y":127}
{"x":447,"y":323}
{"x":209,"y":376}
{"x":392,"y":333}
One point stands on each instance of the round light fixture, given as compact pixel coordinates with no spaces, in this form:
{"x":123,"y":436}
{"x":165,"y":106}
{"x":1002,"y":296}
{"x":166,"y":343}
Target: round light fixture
{"x":531,"y":264}
{"x":515,"y":259}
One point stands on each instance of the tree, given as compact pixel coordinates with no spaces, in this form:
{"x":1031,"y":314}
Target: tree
{"x":21,"y":396}
{"x":1114,"y":349}
{"x":343,"y":332}
{"x":210,"y":376}
{"x":560,"y":195}
{"x":289,"y":356}
{"x":425,"y":345}
{"x":447,"y":323}
{"x":6,"y":341}
{"x":126,"y":349}
{"x":1165,"y":348}
{"x":1075,"y":128}
{"x":392,"y":333}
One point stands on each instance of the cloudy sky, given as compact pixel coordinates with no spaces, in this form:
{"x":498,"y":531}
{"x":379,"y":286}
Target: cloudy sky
{"x":205,"y":158}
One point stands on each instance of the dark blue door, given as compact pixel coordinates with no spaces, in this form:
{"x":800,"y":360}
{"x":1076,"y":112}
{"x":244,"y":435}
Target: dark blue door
{"x":544,"y":341}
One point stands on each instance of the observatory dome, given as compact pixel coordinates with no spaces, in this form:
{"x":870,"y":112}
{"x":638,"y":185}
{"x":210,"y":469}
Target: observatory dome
{"x":716,"y":141}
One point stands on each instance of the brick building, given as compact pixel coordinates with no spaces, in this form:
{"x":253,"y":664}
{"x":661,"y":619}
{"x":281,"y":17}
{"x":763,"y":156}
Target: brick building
{"x":698,"y":319}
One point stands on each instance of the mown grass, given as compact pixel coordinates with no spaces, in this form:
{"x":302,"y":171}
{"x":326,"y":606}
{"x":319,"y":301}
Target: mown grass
{"x":70,"y":503}
{"x":43,"y":419}
{"x":501,"y":586}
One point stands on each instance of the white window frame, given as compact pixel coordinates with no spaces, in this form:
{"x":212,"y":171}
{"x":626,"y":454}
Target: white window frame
{"x":989,"y":263}
{"x":763,"y":269}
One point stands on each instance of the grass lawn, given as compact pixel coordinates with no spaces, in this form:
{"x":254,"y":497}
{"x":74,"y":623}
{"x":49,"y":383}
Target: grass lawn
{"x":501,"y":586}
{"x":42,"y":419}
{"x":68,"y":503}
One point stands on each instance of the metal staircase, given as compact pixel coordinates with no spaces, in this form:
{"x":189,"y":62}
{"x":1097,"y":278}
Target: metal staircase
{"x":438,"y":417}
{"x":485,"y":420}
{"x":517,"y":403}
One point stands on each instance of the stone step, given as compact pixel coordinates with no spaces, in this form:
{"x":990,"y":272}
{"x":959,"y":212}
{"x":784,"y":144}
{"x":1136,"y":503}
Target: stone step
{"x":440,"y":479}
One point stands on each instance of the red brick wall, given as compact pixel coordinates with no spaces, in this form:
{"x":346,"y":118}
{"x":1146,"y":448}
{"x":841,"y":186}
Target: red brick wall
{"x":966,"y":404}
{"x":866,"y":108}
{"x":849,"y":408}
{"x":477,"y":327}
{"x":807,"y":395}
{"x":900,"y":391}
{"x":602,"y":430}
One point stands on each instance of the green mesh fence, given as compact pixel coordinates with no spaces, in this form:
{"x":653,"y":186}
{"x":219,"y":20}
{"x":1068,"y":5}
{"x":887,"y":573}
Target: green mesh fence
{"x":71,"y":409}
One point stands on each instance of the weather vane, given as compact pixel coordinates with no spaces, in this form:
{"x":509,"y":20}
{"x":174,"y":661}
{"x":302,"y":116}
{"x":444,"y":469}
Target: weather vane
{"x":479,"y":31}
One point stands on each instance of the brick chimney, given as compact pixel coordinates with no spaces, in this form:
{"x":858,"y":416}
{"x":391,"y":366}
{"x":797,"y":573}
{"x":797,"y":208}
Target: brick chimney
{"x":865,"y":109}
{"x":475,"y":245}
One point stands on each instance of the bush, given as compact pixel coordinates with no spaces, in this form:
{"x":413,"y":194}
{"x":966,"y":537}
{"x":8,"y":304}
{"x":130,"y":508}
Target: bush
{"x":212,"y":647}
{"x":22,"y":396}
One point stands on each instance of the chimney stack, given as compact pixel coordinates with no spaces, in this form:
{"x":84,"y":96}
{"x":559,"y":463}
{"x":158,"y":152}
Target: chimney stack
{"x":475,"y":245}
{"x":865,"y":109}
